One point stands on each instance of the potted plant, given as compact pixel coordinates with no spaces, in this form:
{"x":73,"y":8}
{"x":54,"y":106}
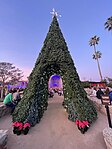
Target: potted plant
{"x":17,"y":127}
{"x":26,"y":128}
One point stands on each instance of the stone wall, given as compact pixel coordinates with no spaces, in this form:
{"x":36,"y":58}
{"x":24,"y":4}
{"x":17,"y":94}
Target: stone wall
{"x":101,"y":108}
{"x":4,"y":110}
{"x":3,"y":133}
{"x":3,"y":139}
{"x":107,"y":134}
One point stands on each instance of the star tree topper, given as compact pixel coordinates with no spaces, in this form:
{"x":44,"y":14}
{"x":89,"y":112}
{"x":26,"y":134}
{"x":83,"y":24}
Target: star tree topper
{"x":54,"y":13}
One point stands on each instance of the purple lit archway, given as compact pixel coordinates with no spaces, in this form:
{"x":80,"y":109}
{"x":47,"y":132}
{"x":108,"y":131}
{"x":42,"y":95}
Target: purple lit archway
{"x":55,"y":81}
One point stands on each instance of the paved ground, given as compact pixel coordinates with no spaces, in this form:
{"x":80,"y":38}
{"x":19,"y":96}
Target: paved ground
{"x":55,"y":131}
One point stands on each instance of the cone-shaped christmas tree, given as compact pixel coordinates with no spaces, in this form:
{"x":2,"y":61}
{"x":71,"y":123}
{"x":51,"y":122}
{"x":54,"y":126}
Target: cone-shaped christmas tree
{"x":55,"y":58}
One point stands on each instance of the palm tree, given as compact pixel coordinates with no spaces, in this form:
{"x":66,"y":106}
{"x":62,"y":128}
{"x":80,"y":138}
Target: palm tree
{"x":93,"y":41}
{"x":97,"y":55}
{"x":108,"y":24}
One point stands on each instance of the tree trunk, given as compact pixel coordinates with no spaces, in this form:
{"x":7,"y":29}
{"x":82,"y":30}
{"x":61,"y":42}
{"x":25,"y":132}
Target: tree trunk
{"x":98,"y":64}
{"x":2,"y":93}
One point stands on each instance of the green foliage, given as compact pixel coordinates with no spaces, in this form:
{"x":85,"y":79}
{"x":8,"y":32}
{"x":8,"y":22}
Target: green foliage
{"x":109,"y":84}
{"x":94,"y":40}
{"x":85,"y":84}
{"x":108,"y":24}
{"x":54,"y":58}
{"x":108,"y":81}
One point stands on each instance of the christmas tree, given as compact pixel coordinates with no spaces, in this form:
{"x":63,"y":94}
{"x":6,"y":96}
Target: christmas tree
{"x":55,"y":58}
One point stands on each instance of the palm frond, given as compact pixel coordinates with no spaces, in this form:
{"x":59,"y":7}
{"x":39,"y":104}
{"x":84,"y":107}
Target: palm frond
{"x":94,"y":40}
{"x":94,"y":56}
{"x":108,"y":24}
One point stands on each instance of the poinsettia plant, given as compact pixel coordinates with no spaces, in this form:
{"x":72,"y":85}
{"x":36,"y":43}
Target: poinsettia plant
{"x":26,"y":128}
{"x":17,"y":127}
{"x":26,"y":125}
{"x":82,"y":125}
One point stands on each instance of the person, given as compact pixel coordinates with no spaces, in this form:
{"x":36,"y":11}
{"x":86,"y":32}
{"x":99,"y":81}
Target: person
{"x":110,"y":95}
{"x":94,"y":90}
{"x":16,"y":96}
{"x":107,"y":91}
{"x":51,"y":93}
{"x":99,"y":93}
{"x":59,"y":92}
{"x":8,"y":101}
{"x":6,"y":91}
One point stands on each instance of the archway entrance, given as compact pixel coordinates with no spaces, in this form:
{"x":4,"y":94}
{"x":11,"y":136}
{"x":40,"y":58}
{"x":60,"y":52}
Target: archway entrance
{"x":55,"y":83}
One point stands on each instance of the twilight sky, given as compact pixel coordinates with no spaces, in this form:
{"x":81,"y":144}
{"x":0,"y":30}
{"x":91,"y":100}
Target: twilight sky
{"x":24,"y":25}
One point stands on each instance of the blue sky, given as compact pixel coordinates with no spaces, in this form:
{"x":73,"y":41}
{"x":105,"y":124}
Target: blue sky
{"x":25,"y":23}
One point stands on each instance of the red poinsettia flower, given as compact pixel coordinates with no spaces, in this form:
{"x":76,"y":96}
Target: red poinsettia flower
{"x":15,"y":124}
{"x":26,"y":125}
{"x":77,"y":122}
{"x":86,"y":123}
{"x":81,"y":124}
{"x":18,"y":124}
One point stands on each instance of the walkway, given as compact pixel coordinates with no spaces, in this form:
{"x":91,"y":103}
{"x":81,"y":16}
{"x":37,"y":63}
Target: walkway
{"x":55,"y":131}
